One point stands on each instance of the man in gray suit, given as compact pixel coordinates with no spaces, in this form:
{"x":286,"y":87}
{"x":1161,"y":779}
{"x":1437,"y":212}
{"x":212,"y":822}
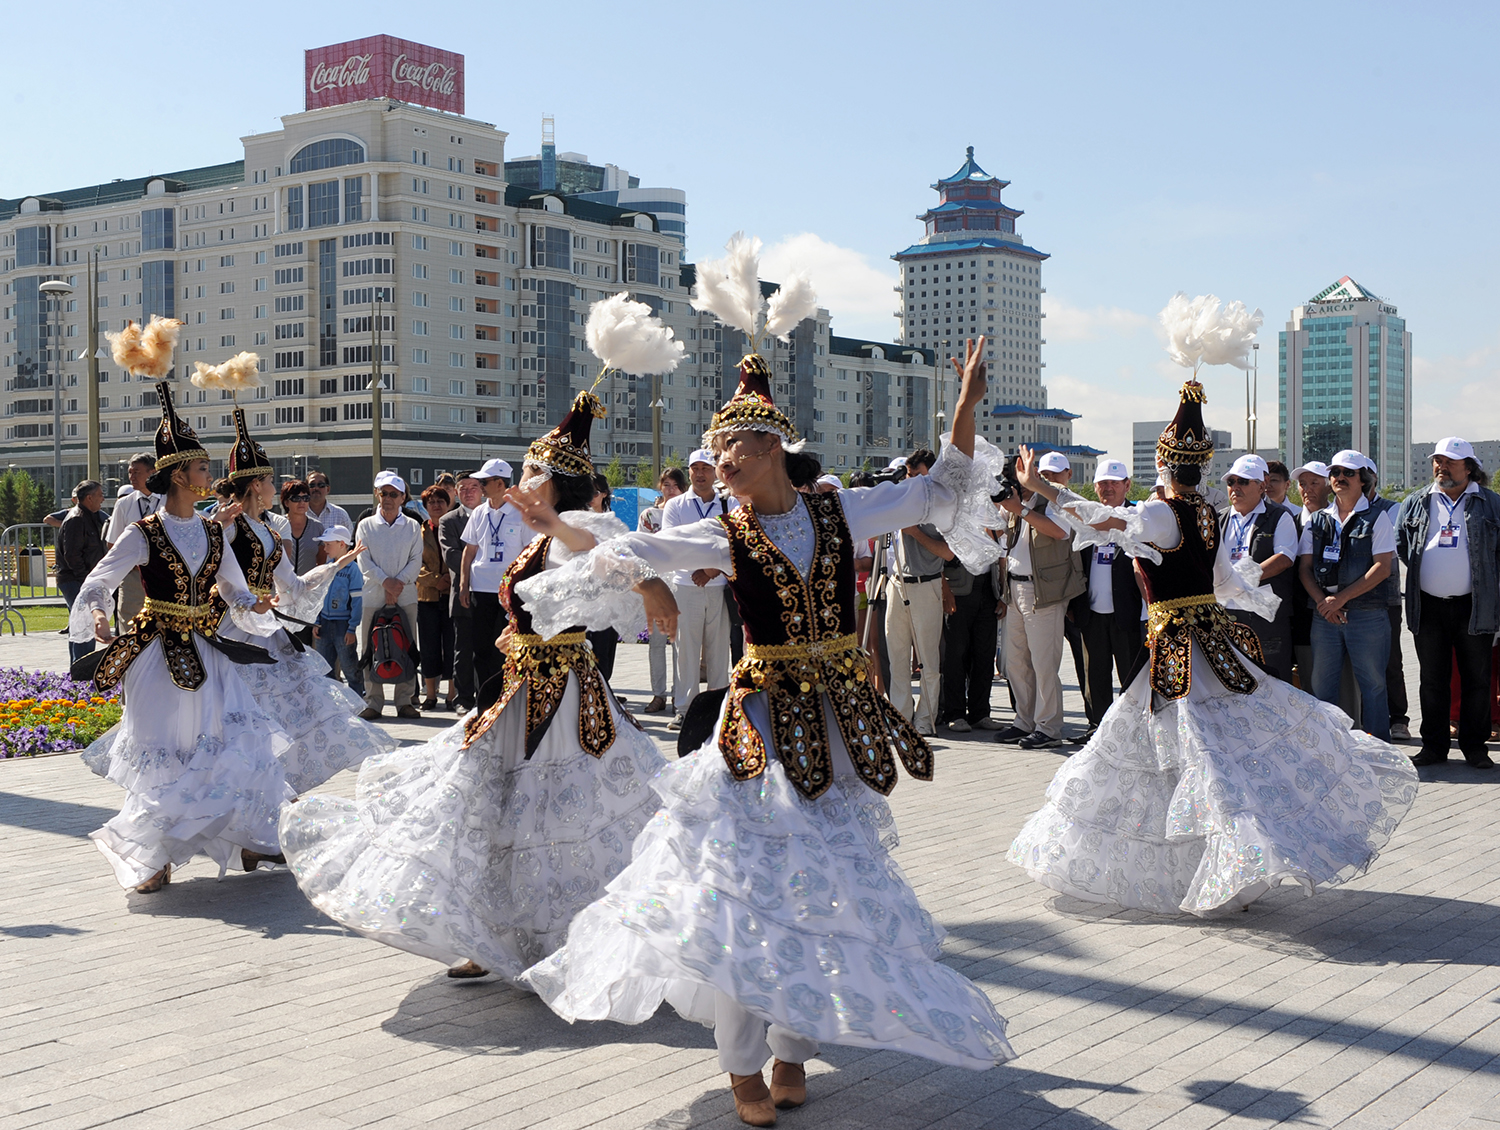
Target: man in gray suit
{"x":451,"y":541}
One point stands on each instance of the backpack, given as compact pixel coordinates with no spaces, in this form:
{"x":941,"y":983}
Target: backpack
{"x":391,"y":648}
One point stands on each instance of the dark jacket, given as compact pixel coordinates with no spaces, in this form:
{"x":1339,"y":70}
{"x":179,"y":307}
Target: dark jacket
{"x":451,"y":540}
{"x":1356,"y":555}
{"x":1482,"y":528}
{"x":1122,"y":582}
{"x":80,"y":544}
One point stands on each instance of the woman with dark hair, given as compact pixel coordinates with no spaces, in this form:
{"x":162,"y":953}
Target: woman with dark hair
{"x":1208,"y":781}
{"x":764,"y":891}
{"x":319,"y":714}
{"x":478,"y":846}
{"x":299,"y":531}
{"x":434,"y":621}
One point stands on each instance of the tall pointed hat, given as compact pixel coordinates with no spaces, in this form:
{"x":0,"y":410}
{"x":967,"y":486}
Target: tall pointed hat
{"x":751,"y":408}
{"x":1185,"y":440}
{"x":248,"y":458}
{"x":175,"y":441}
{"x":565,"y":449}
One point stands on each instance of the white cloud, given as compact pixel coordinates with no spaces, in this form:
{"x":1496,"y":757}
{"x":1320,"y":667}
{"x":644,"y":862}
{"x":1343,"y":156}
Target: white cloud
{"x":1457,"y":395}
{"x":1071,"y":323}
{"x":856,"y":292}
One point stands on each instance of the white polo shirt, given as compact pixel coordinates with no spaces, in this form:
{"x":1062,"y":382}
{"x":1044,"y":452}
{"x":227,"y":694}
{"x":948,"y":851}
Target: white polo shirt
{"x":688,"y":508}
{"x":498,"y":536}
{"x":132,"y":508}
{"x":1445,"y":568}
{"x":1238,"y":532}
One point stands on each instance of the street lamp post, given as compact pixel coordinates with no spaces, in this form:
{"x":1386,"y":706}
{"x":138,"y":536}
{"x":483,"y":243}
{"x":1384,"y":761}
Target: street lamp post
{"x":477,"y":439}
{"x":657,"y":404}
{"x":1255,"y":403}
{"x":377,"y":379}
{"x":56,"y":291}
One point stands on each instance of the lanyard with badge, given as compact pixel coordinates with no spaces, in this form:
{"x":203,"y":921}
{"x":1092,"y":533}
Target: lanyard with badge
{"x":1448,"y":532}
{"x":1242,"y":531}
{"x":699,"y":506}
{"x":497,"y":543}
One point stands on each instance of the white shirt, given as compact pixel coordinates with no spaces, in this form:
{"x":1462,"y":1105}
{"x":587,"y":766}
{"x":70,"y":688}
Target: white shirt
{"x":1445,"y":569}
{"x":685,"y":510}
{"x":498,"y":536}
{"x":1238,"y":532}
{"x":332,"y":516}
{"x":132,"y":508}
{"x":1102,"y":581}
{"x":1019,"y":557}
{"x":394,"y":552}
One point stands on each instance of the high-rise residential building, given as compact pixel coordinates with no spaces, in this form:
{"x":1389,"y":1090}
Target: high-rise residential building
{"x":1345,"y":362}
{"x":382,"y":208}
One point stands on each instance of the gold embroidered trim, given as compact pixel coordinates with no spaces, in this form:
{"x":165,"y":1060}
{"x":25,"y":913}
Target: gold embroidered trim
{"x":1177,"y":626}
{"x":815,"y":650}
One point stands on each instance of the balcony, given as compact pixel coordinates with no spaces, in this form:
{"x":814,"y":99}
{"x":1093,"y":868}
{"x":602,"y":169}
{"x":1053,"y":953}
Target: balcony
{"x":481,"y":251}
{"x":486,"y":360}
{"x":487,"y":333}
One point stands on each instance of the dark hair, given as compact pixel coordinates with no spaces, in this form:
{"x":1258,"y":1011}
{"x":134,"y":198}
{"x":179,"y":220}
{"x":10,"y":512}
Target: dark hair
{"x":160,"y":482}
{"x":327,"y":481}
{"x":291,"y":487}
{"x":87,"y":487}
{"x":240,"y":487}
{"x":1366,"y":480}
{"x":803,"y":468}
{"x":1188,"y":474}
{"x":677,"y":475}
{"x":574,"y":492}
{"x":1477,"y":473}
{"x":446,"y":479}
{"x":224,"y":488}
{"x":433,"y":491}
{"x":601,"y":486}
{"x":861,"y":479}
{"x":1277,"y":467}
{"x":143,"y":457}
{"x":922,"y":455}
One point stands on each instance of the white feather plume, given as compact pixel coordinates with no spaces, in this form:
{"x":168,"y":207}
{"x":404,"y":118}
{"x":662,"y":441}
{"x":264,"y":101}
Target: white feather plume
{"x":793,"y":302}
{"x":1201,"y":332}
{"x":625,"y":335}
{"x":240,"y":372}
{"x":729,"y":288}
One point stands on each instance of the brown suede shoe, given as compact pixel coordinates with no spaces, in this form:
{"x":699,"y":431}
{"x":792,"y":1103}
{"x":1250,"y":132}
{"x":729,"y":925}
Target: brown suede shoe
{"x":752,"y":1099}
{"x":467,"y":969}
{"x":788,"y":1084}
{"x":156,"y":882}
{"x":369,"y":714}
{"x":408,"y":712}
{"x":250,"y":860}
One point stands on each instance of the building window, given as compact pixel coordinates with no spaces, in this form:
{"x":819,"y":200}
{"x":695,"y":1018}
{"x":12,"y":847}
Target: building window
{"x":323,"y":204}
{"x":354,"y":207}
{"x":328,"y":154}
{"x":294,"y":208}
{"x":156,"y":229}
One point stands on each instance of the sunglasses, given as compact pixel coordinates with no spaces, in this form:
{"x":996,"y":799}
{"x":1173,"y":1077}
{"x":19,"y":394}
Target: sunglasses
{"x":1234,"y":481}
{"x":1341,"y":473}
{"x":299,"y":498}
{"x":391,"y":494}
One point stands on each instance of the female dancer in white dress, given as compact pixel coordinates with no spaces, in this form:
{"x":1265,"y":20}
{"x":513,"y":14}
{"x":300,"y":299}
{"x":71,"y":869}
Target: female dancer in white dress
{"x":764,"y":891}
{"x":1209,"y":780}
{"x":195,"y":754}
{"x":320,"y":716}
{"x":480,"y":845}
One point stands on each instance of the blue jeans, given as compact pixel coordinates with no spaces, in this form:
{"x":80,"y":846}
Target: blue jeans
{"x":70,"y":590}
{"x":1366,"y":640}
{"x":331,"y":645}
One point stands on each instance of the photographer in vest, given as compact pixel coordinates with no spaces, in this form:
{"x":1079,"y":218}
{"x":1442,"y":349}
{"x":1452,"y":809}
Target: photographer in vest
{"x":1449,"y":537}
{"x":1255,"y":527}
{"x":1344,"y":558}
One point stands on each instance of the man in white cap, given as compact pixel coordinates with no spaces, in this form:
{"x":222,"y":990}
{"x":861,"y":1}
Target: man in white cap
{"x":1395,"y":674}
{"x":1108,"y":612}
{"x":827,"y":484}
{"x":1312,"y":483}
{"x":914,"y":612}
{"x":451,"y":542}
{"x":703,"y":625}
{"x":1344,"y":557}
{"x":1055,"y":468}
{"x":1449,"y":537}
{"x":392,"y":560}
{"x":1253,"y":526}
{"x":493,"y":536}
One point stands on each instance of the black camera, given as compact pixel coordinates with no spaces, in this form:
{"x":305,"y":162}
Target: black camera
{"x":1009,"y":484}
{"x":889,"y":475}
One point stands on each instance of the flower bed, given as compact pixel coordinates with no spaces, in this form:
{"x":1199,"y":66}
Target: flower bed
{"x":43,"y":712}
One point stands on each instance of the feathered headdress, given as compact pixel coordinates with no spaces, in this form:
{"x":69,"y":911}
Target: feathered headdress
{"x":565,"y":449}
{"x":1186,"y":439}
{"x":176,"y":442}
{"x":626,"y":335}
{"x":242,"y":371}
{"x":146,"y":352}
{"x":1199,"y":332}
{"x":247,"y":459}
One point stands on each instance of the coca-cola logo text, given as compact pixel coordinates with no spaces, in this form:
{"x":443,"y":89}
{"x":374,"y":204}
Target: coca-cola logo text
{"x":354,"y":71}
{"x":432,"y":77}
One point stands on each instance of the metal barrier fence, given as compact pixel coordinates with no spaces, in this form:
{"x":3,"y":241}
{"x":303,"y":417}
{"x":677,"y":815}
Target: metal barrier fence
{"x":28,"y":557}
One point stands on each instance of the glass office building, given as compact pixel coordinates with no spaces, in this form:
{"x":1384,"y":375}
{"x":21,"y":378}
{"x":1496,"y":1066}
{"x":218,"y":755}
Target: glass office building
{"x":1345,"y":380}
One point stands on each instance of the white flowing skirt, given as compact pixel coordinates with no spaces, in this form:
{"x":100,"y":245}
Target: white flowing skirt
{"x":794,"y":908}
{"x":477,"y":853}
{"x":320,"y":715}
{"x":200,"y":769}
{"x":1215,"y":798}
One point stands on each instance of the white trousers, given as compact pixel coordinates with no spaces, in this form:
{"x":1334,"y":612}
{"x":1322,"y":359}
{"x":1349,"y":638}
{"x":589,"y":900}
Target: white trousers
{"x":914,"y":618}
{"x":1033,"y":652}
{"x":702,"y":641}
{"x":657,"y":654}
{"x":745,"y":1044}
{"x":372,"y":601}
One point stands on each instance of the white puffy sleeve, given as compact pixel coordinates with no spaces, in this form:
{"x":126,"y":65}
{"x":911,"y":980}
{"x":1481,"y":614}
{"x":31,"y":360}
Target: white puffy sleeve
{"x":1237,"y":585}
{"x":302,"y":597}
{"x":1150,"y":526}
{"x":954,"y":497}
{"x":98,"y":592}
{"x":236,"y":592}
{"x":596,"y":588}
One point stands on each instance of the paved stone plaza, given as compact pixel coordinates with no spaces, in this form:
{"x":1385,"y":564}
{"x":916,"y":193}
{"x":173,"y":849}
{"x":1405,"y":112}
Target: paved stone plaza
{"x":234,"y":1004}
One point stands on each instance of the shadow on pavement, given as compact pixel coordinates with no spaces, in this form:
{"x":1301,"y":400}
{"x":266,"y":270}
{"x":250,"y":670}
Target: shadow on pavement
{"x":264,"y":901}
{"x":41,"y":930}
{"x":61,"y":817}
{"x":1271,"y":1106}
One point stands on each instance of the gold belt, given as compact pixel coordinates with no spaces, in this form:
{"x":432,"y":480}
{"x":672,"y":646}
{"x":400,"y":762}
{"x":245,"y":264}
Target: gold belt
{"x":819,"y":649}
{"x":260,"y":591}
{"x":178,"y":617}
{"x":566,"y":639}
{"x":1164,"y":606}
{"x":820,"y":664}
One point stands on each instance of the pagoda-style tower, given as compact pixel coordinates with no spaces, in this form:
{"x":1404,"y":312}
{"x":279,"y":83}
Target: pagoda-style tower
{"x":969,"y":201}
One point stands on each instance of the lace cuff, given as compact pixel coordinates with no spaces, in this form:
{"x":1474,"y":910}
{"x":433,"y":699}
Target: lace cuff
{"x":1243,"y":592}
{"x":1078,"y":514}
{"x":602,"y":526}
{"x":305,"y":600}
{"x":595,"y":589}
{"x":252,"y":623}
{"x":92,"y":597}
{"x":972,"y":481}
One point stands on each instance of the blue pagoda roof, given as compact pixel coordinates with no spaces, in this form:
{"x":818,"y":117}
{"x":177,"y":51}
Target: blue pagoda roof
{"x":969,"y":170}
{"x":1027,"y":410}
{"x":974,"y":205}
{"x":944,"y":247}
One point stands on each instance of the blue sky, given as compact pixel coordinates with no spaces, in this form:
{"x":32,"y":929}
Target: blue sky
{"x":1255,"y":152}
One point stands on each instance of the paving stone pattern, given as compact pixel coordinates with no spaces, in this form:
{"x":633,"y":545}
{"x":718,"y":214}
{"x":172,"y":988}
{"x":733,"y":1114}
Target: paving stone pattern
{"x":234,"y":1004}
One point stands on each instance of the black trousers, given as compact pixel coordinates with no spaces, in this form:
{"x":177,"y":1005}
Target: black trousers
{"x":1112,"y":645}
{"x":1444,"y":633}
{"x":435,"y":638}
{"x":736,"y":628}
{"x":604,"y":643}
{"x":969,"y":635}
{"x":1074,"y":637}
{"x":1395,"y":677}
{"x":488,"y":620}
{"x":463,"y":656}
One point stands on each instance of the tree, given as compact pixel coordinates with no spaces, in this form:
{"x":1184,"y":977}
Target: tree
{"x":8,"y":501}
{"x":643,"y":475}
{"x":43,"y":501}
{"x":615,"y":472}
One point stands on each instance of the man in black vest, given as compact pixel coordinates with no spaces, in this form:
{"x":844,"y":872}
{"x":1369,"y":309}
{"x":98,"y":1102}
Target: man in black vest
{"x":1108,"y":612}
{"x":1255,"y":527}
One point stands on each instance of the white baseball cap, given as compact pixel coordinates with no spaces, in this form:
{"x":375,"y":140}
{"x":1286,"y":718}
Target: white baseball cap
{"x":124,"y":490}
{"x":1110,"y":469}
{"x":832,"y":481}
{"x":390,"y":479}
{"x":1319,"y":469}
{"x":1054,"y":461}
{"x":1452,"y":447}
{"x":899,"y":461}
{"x":1247,"y":467}
{"x":702,"y":455}
{"x":493,"y":469}
{"x":335,"y":533}
{"x":1353,"y":460}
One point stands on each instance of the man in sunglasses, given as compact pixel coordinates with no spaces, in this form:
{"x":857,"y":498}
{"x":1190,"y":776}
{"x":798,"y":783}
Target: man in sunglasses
{"x":1256,"y":527}
{"x":392,"y":560}
{"x":1343,"y":560}
{"x":320,"y":508}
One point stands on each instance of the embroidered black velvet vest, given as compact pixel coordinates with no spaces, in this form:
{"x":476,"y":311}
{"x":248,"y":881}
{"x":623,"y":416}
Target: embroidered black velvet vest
{"x":258,"y":566}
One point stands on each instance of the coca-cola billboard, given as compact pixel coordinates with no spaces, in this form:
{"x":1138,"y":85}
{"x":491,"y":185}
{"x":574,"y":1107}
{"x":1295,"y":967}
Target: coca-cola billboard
{"x":382,"y":66}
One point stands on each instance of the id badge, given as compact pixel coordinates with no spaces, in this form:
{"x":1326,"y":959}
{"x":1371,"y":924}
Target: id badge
{"x":1236,"y":553}
{"x":1105,"y":554}
{"x":1448,"y":537}
{"x":1330,"y":553}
